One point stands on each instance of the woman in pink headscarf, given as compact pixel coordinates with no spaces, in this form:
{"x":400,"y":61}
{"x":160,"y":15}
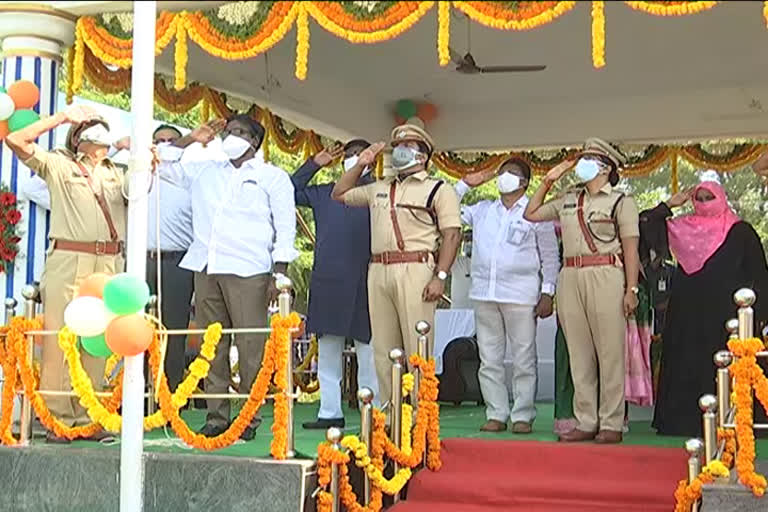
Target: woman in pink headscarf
{"x":717,"y":253}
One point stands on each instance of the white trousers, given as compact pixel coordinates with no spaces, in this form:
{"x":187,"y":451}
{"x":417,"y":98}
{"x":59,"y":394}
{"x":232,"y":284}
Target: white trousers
{"x":330,"y":369}
{"x":507,"y":329}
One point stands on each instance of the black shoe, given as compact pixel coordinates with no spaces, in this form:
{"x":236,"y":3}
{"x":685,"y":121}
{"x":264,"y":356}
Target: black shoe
{"x":213,"y":429}
{"x":250,"y":431}
{"x":322,"y":423}
{"x":52,"y":438}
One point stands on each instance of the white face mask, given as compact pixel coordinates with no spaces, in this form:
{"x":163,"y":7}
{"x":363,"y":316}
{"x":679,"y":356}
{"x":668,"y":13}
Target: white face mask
{"x":508,"y":183}
{"x":234,"y":147}
{"x":350,"y":162}
{"x":404,"y":158}
{"x":587,"y":170}
{"x":96,"y":134}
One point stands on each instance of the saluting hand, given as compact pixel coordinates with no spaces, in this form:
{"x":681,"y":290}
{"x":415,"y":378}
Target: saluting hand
{"x":205,"y":133}
{"x":369,"y":154}
{"x":329,"y":154}
{"x":433,"y":291}
{"x":680,"y":198}
{"x":79,"y":114}
{"x":562,"y":168}
{"x":477,"y":178}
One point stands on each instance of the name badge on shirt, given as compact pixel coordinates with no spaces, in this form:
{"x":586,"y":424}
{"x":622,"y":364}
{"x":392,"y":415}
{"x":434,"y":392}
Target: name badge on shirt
{"x":662,"y":285}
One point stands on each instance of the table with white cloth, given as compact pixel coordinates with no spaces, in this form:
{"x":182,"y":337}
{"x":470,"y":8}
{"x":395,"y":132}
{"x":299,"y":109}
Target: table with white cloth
{"x":457,"y":323}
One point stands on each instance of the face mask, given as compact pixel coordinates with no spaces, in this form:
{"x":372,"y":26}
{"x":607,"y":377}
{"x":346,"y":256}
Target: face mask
{"x":234,"y":147}
{"x":709,"y":208}
{"x":163,"y":144}
{"x":350,"y":162}
{"x":96,"y":134}
{"x":508,"y":183}
{"x":404,"y":158}
{"x":587,"y":170}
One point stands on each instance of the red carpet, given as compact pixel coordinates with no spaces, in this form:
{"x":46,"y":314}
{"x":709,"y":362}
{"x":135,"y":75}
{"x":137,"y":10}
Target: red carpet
{"x":488,"y":476}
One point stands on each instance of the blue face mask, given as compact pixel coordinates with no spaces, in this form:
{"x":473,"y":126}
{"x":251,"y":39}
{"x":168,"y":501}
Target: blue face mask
{"x":587,"y":170}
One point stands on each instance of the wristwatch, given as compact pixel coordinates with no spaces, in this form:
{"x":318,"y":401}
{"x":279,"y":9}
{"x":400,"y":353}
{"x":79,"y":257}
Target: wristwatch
{"x":442,"y":275}
{"x":635,"y":290}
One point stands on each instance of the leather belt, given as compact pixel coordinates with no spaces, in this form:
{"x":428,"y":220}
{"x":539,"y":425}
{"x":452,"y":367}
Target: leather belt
{"x":593,"y":260}
{"x":394,"y":257}
{"x":100,"y":247}
{"x":164,"y":254}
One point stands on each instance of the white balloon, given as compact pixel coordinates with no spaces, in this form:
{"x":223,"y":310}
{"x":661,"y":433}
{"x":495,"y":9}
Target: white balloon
{"x":6,"y":106}
{"x":87,"y":316}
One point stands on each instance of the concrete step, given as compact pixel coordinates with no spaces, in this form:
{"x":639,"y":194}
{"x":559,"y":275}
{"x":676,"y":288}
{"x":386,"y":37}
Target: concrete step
{"x":732,"y":496}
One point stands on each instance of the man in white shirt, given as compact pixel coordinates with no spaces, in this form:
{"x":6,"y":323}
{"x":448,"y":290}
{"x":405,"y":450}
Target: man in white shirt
{"x":514,"y":272}
{"x":244,"y":220}
{"x":175,"y":237}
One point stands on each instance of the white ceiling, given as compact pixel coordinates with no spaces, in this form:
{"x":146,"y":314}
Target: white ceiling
{"x":666,"y":78}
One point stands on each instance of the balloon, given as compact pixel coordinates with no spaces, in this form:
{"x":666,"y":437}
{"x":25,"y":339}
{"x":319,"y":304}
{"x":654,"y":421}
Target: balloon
{"x":126,"y":294}
{"x":25,"y":94}
{"x":4,"y":130}
{"x":415,"y":121}
{"x":129,"y":335}
{"x":6,"y":106}
{"x":399,"y":120}
{"x":405,"y":109}
{"x":93,"y":285}
{"x":86,"y":316}
{"x":427,"y":112}
{"x":21,"y":119}
{"x":96,"y":346}
{"x":2,"y":89}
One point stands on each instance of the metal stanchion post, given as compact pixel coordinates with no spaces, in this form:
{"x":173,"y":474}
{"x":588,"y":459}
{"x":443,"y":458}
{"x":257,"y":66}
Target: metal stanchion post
{"x":396,"y":402}
{"x":693,"y":447}
{"x":732,"y":326}
{"x":708,"y":405}
{"x":744,"y":298}
{"x":284,"y":308}
{"x":29,"y":293}
{"x":153,"y":306}
{"x":723,"y":360}
{"x":10,"y":309}
{"x":422,"y":328}
{"x":365,"y":395}
{"x":333,"y":435}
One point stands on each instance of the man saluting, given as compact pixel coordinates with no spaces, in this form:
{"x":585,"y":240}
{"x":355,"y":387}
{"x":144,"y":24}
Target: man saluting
{"x":415,"y":227}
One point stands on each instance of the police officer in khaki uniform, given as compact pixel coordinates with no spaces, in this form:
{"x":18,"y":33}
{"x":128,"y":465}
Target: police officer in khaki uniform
{"x":598,"y":284}
{"x":87,"y":232}
{"x":415,"y":233}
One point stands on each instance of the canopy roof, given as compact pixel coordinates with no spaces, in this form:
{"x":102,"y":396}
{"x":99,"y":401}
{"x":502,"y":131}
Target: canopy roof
{"x":684,"y":78}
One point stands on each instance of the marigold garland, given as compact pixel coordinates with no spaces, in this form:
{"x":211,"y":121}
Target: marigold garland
{"x":444,"y":32}
{"x":527,"y":16}
{"x":302,"y":42}
{"x":765,"y":12}
{"x":281,"y":347}
{"x":671,"y":8}
{"x":401,"y":16}
{"x":181,"y":53}
{"x":598,"y":34}
{"x":687,"y":494}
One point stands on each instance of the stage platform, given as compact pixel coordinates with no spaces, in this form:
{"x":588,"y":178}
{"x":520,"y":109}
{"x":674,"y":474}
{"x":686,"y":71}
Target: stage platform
{"x":83,"y":476}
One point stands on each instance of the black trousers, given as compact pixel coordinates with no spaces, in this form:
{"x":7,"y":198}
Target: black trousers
{"x":177,"y":287}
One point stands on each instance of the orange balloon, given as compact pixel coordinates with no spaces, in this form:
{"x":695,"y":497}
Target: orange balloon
{"x":93,"y":285}
{"x":399,"y":120}
{"x":128,"y":335}
{"x":427,"y":112}
{"x":24,"y":94}
{"x":4,"y":130}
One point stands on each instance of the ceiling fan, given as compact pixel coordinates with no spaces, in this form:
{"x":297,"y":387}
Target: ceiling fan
{"x":468,"y":66}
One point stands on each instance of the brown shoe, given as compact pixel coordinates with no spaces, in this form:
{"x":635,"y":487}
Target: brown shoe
{"x":52,"y":438}
{"x":577,"y":436}
{"x":521,"y":427}
{"x":609,"y":437}
{"x":493,"y":426}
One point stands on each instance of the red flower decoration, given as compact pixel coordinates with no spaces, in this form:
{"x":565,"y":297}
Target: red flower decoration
{"x":13,"y":217}
{"x":7,"y":199}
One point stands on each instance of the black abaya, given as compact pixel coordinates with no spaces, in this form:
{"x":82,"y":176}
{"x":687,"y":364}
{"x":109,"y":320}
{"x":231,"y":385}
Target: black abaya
{"x":694,"y":330}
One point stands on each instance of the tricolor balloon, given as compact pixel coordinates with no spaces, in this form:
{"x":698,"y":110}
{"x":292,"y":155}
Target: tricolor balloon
{"x":16,"y":106}
{"x":107,"y":314}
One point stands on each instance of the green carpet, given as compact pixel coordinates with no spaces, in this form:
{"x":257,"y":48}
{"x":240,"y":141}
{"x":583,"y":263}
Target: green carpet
{"x":463,"y":421}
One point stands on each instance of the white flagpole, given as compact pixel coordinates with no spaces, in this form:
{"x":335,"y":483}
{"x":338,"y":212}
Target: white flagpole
{"x":142,"y":102}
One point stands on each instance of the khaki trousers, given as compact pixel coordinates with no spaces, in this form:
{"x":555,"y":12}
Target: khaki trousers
{"x":64,"y":270}
{"x":394,"y":299}
{"x":235,"y":302}
{"x":590,"y":308}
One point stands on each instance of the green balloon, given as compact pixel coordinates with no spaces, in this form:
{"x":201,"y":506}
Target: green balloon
{"x":2,"y":90}
{"x":96,"y":346}
{"x":406,"y":109}
{"x":126,"y":294}
{"x":21,"y":119}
